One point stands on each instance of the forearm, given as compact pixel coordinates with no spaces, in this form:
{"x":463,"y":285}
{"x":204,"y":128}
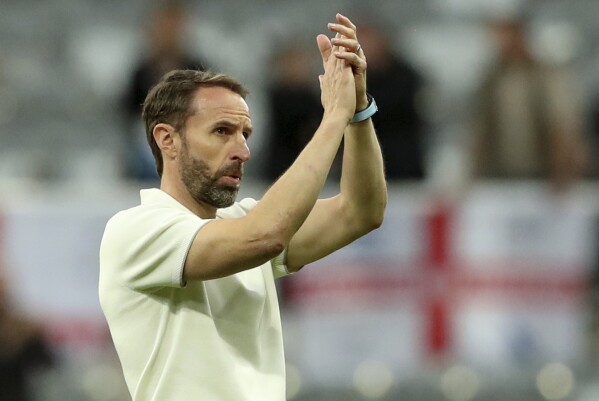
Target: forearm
{"x":286,"y":205}
{"x":363,"y":185}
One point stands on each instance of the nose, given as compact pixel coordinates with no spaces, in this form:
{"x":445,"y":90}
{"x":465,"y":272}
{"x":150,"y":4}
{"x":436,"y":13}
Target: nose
{"x":241,"y":151}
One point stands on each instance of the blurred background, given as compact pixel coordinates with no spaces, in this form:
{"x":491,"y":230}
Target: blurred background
{"x":480,"y":285}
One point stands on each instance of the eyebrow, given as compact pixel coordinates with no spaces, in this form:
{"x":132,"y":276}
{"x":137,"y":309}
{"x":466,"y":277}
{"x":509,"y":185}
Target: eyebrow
{"x":233,"y":124}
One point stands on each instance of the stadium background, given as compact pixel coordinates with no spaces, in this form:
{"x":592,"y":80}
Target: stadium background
{"x":485,"y":298}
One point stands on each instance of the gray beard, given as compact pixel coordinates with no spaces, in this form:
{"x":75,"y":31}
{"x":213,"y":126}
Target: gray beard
{"x":202,"y":186}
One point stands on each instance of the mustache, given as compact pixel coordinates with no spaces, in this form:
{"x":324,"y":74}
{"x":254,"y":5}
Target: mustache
{"x":234,"y":169}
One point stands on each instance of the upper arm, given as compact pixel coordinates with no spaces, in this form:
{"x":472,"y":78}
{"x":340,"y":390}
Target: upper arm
{"x":330,"y":226}
{"x":225,"y":247}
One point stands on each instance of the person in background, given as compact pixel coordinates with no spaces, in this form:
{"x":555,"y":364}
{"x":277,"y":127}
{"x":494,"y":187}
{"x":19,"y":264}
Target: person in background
{"x":23,"y":351}
{"x":397,"y":86}
{"x":593,"y":123}
{"x":294,"y":106}
{"x":166,"y":52}
{"x":527,"y":122}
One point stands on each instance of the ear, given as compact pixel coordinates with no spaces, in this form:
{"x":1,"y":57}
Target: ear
{"x":166,"y":139}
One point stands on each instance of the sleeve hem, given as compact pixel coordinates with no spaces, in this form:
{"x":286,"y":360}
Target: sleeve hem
{"x":279,"y":265}
{"x":178,"y":278}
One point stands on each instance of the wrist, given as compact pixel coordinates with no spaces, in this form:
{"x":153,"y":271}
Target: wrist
{"x":335,"y":119}
{"x":362,"y":103}
{"x":367,"y":112}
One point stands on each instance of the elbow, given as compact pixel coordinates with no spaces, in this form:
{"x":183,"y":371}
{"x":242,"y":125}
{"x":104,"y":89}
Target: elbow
{"x":273,"y":242}
{"x":267,"y":238}
{"x":377,"y":221}
{"x":377,"y":215}
{"x":274,"y":247}
{"x":372,"y":220}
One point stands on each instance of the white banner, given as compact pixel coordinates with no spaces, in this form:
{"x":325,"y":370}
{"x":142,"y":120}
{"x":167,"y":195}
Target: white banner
{"x":496,"y":282}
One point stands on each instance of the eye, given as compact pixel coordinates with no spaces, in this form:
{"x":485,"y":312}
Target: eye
{"x":246,"y":134}
{"x":221,"y":130}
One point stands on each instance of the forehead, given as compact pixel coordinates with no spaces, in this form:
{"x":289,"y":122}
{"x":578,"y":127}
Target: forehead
{"x":213,"y":103}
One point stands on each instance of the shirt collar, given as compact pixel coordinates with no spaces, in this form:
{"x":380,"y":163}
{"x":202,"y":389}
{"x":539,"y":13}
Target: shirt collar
{"x":156,"y":196}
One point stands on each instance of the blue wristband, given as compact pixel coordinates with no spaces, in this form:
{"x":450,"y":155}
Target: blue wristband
{"x":367,"y":112}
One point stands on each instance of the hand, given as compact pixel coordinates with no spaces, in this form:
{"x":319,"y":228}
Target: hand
{"x":350,"y":50}
{"x":337,"y":85}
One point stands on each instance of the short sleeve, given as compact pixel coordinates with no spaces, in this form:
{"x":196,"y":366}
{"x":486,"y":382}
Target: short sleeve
{"x":247,"y":204}
{"x":279,"y":265}
{"x":147,"y":248}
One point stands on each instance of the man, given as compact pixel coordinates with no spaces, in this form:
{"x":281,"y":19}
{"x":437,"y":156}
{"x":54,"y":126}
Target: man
{"x":166,"y":51}
{"x":25,"y":357}
{"x":186,"y":278}
{"x":526,"y":120}
{"x":398,"y":87}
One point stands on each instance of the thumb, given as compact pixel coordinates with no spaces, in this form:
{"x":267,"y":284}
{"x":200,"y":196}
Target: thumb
{"x":325,"y":47}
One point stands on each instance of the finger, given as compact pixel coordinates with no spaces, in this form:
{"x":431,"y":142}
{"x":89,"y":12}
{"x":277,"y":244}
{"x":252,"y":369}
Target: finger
{"x":341,"y":63}
{"x":325,"y":47}
{"x":357,"y":63}
{"x":339,"y":49}
{"x":349,"y":44}
{"x":342,"y":30}
{"x":326,"y":50}
{"x":342,"y":19}
{"x":336,"y":48}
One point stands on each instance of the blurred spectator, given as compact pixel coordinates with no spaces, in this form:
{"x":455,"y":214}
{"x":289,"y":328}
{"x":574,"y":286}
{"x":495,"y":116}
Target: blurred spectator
{"x":396,"y":86}
{"x":294,"y":105}
{"x":166,"y":51}
{"x":594,"y":131}
{"x":593,"y":340}
{"x":22,"y":352}
{"x":527,"y":118}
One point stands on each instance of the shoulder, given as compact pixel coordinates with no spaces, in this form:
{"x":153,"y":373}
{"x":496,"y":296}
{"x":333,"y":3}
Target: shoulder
{"x":144,"y":220}
{"x":129,"y":216}
{"x":138,"y":240}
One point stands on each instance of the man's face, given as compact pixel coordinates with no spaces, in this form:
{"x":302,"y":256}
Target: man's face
{"x":214,"y":147}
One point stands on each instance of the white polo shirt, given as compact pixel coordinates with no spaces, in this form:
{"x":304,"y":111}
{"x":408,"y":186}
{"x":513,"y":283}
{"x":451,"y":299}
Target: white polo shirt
{"x":213,"y":340}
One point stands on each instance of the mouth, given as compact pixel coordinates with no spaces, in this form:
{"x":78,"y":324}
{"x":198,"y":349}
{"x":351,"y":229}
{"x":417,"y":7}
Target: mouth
{"x":232,"y":179}
{"x":231,"y":175}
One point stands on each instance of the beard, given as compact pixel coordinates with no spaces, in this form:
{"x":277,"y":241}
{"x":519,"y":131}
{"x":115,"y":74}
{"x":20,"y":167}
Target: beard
{"x":203,"y":186}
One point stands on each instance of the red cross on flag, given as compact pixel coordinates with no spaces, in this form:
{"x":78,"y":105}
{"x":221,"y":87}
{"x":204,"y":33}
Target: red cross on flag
{"x":493,"y":283}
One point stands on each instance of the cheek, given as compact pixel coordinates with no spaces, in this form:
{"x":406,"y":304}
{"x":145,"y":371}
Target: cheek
{"x":205,"y":149}
{"x":216,"y":151}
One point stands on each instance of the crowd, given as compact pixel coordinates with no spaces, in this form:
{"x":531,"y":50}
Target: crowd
{"x":527,"y":120}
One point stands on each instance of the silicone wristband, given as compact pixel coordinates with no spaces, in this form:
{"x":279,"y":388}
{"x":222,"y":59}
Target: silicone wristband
{"x":367,"y":112}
